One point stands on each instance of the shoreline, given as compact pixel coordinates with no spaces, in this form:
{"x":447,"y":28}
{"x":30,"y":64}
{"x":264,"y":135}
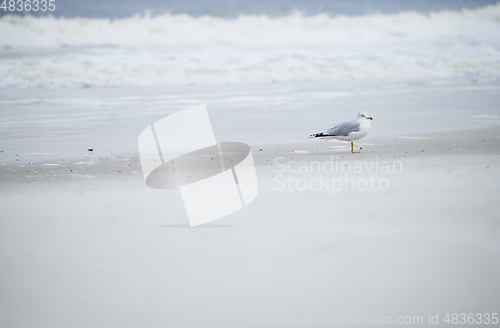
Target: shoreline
{"x":411,"y":150}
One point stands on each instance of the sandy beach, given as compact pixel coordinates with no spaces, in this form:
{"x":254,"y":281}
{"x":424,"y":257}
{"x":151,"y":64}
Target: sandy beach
{"x":403,"y":233}
{"x":101,"y":249}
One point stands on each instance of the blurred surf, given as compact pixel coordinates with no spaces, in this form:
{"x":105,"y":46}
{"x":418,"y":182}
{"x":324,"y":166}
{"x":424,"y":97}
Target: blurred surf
{"x":180,"y":49}
{"x":296,"y":29}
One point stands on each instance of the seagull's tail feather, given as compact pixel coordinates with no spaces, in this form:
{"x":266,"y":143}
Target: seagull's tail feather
{"x":317,"y":135}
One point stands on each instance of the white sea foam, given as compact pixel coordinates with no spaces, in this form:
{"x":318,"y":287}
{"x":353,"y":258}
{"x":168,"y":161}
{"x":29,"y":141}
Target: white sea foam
{"x":181,"y":49}
{"x":180,"y":29}
{"x":489,"y":119}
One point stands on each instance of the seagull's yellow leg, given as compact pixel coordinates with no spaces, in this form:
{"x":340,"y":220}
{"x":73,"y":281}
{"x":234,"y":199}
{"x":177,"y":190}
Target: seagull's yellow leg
{"x":352,"y":148}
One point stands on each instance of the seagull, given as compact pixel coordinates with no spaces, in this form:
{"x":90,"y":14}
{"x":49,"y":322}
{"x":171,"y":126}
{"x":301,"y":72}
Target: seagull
{"x":347,"y":131}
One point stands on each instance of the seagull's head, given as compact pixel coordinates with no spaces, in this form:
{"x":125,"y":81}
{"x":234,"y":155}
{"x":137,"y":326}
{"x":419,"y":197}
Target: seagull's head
{"x":364,"y":116}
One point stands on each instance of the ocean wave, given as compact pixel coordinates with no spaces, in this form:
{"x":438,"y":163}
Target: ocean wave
{"x":181,"y":29}
{"x":132,"y":69}
{"x":183,"y":50}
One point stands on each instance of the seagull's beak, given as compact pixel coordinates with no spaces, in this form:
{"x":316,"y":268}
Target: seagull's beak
{"x":370,"y":118}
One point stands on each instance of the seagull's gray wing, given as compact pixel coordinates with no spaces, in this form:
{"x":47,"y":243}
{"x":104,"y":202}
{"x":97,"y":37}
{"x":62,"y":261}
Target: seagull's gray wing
{"x":343,"y":129}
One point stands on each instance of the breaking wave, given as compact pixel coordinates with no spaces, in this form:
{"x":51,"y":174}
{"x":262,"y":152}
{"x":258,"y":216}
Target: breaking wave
{"x":180,"y":29}
{"x":181,"y":49}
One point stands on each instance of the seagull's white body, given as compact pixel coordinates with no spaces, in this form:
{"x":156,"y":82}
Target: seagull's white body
{"x":347,"y":131}
{"x":364,"y":127}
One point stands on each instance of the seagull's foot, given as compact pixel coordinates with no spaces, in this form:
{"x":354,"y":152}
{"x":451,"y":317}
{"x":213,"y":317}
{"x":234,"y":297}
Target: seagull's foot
{"x":352,"y":149}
